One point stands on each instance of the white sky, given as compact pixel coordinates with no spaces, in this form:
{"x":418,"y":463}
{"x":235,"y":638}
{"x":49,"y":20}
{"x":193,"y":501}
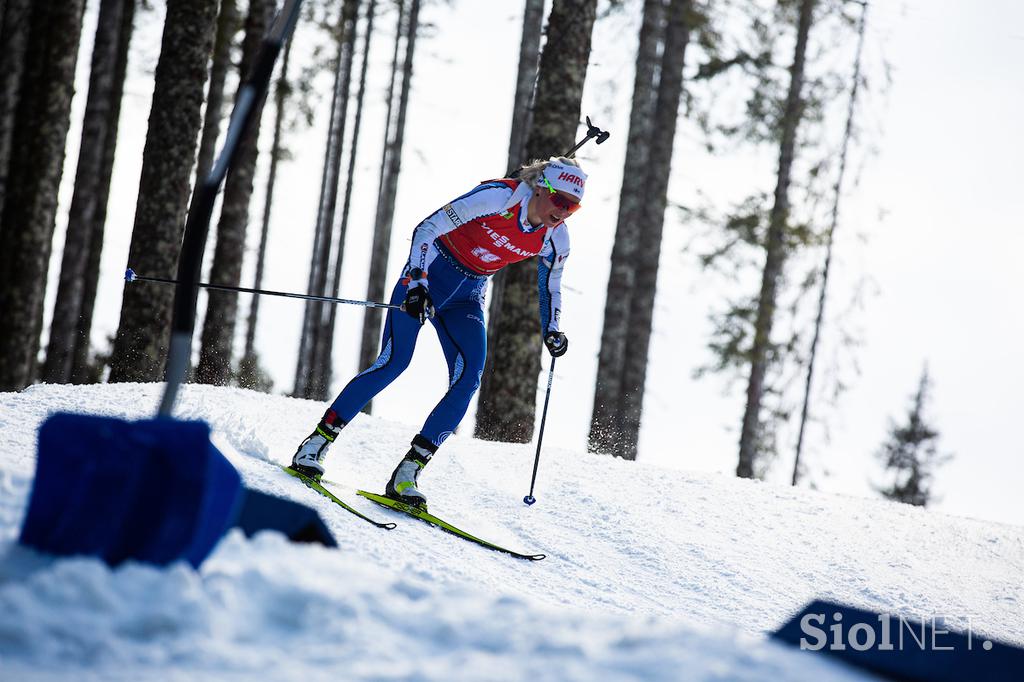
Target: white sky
{"x":935,"y":221}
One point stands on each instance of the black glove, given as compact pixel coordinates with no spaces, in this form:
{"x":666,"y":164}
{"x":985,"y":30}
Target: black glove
{"x":557,"y":343}
{"x":418,"y":303}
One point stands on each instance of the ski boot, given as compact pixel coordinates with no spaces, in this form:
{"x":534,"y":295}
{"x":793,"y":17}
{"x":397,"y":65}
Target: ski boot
{"x":402,"y":486}
{"x":309,"y":458}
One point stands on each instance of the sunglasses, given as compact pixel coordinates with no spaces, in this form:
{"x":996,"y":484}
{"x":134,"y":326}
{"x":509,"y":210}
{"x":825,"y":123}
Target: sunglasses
{"x":559,"y":200}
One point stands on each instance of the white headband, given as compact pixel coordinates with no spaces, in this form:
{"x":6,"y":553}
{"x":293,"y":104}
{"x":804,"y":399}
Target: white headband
{"x":565,"y":178}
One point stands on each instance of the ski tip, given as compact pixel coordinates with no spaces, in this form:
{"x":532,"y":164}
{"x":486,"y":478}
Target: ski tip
{"x":129,"y":275}
{"x":535,"y":557}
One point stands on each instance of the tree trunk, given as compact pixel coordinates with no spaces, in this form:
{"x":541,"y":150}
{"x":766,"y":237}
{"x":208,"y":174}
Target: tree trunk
{"x":140,"y":348}
{"x":13,"y":40}
{"x":35,"y":167}
{"x":82,"y":368}
{"x":641,"y":310}
{"x":281,"y":93}
{"x":526,"y":82}
{"x":325,"y":338}
{"x":829,"y":240}
{"x":607,"y":430}
{"x":377,"y":281}
{"x":316,"y":262}
{"x":508,"y":396}
{"x":227,"y":27}
{"x":222,"y":306}
{"x":775,"y":251}
{"x":86,"y":199}
{"x":307,"y":380}
{"x":522,"y":119}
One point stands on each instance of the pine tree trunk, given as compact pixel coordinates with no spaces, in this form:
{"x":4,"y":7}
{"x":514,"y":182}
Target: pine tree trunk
{"x":386,"y":204}
{"x":82,"y":368}
{"x":227,"y":27}
{"x":522,"y":115}
{"x":325,"y":339}
{"x":318,"y":375}
{"x":509,"y":394}
{"x":13,"y":40}
{"x":34,"y":172}
{"x":607,"y":429}
{"x":86,"y":199}
{"x":281,"y":93}
{"x":215,"y":354}
{"x":140,"y":348}
{"x":829,"y":240}
{"x":526,"y":81}
{"x":641,"y":310}
{"x":321,"y":234}
{"x":775,"y":251}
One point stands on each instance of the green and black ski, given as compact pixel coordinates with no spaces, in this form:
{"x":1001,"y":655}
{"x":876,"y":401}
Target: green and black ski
{"x":427,"y":517}
{"x":334,"y":498}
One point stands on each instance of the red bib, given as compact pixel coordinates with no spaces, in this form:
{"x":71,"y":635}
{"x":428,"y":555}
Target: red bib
{"x":489,"y":243}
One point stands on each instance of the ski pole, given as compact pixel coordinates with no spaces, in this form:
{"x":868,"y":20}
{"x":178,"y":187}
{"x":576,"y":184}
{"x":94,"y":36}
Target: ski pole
{"x":530,"y":499}
{"x":131,"y":276}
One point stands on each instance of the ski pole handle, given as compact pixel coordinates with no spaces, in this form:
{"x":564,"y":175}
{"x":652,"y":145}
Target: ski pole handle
{"x":592,"y":132}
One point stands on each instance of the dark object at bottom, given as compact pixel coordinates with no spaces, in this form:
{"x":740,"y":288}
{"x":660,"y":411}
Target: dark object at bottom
{"x":260,"y":511}
{"x":152,"y":490}
{"x":901,"y":647}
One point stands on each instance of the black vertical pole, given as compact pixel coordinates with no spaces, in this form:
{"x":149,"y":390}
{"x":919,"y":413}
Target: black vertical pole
{"x":530,"y":499}
{"x":198,"y":224}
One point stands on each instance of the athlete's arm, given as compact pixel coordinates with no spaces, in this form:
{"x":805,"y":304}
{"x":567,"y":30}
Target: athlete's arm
{"x":550,"y":262}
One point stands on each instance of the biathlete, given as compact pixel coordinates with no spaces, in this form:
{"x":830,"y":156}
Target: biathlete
{"x":461,"y":246}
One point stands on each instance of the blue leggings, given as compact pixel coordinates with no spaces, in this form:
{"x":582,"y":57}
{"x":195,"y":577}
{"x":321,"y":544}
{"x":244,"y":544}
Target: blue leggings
{"x":459,"y":322}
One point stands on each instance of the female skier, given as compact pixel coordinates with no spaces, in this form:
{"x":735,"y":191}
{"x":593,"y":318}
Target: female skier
{"x":461,"y":245}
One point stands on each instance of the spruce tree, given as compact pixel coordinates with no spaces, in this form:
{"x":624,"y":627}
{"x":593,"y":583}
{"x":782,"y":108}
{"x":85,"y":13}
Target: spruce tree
{"x":910,"y":455}
{"x":775,"y":251}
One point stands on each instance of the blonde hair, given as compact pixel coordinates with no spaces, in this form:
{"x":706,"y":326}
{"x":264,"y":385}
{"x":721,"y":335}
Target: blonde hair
{"x":530,"y":173}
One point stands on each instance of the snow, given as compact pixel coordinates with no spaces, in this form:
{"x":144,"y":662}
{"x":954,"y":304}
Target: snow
{"x":651,"y":573}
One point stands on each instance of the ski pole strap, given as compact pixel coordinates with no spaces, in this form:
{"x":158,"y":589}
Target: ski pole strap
{"x":131,"y":276}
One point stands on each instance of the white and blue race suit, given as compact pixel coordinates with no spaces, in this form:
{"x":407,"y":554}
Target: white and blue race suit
{"x":458,"y":248}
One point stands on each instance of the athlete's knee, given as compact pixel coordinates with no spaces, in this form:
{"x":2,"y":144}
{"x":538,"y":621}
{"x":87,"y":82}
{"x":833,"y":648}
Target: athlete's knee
{"x":391,"y":362}
{"x":467,"y":382}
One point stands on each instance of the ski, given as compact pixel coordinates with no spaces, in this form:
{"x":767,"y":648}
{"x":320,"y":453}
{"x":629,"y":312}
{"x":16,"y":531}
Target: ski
{"x":427,"y":517}
{"x":334,"y":498}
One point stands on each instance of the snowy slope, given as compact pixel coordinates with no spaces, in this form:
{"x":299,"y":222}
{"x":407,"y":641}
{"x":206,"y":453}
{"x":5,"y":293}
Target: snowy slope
{"x":650,"y":574}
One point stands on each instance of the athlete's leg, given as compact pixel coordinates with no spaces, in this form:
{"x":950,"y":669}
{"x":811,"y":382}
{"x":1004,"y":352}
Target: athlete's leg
{"x":464,"y":341}
{"x":397,"y":345}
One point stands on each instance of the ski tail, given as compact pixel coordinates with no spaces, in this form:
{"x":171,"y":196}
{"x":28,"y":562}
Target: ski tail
{"x":314,"y":485}
{"x":425,"y":516}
